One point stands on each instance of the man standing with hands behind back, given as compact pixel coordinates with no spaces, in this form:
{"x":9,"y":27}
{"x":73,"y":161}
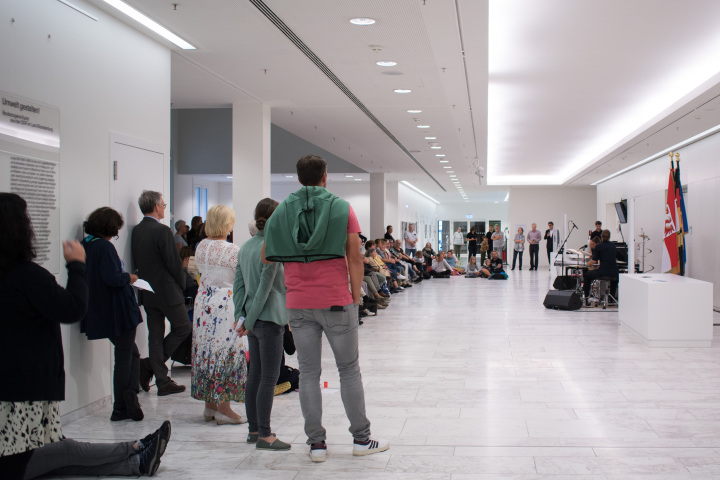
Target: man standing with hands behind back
{"x":316,"y":234}
{"x":410,"y":240}
{"x":157,"y":260}
{"x":534,"y":238}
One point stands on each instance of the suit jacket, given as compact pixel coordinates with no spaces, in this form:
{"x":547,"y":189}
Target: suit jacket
{"x":157,"y":260}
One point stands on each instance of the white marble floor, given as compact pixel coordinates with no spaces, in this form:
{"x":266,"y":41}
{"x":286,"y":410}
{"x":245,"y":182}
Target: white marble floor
{"x":475,"y":379}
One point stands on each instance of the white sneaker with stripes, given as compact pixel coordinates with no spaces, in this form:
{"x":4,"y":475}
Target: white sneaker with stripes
{"x":372,"y":446}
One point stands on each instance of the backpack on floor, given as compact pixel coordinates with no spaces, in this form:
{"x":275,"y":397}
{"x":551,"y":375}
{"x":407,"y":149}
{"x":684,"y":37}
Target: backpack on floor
{"x":499,"y":276}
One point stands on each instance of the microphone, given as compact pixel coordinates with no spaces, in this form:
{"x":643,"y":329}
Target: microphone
{"x":574,"y":224}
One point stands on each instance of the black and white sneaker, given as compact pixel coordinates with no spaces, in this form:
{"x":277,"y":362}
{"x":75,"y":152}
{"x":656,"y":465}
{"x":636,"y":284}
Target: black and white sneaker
{"x":369,"y":447}
{"x":161,"y":435}
{"x":150,"y":456}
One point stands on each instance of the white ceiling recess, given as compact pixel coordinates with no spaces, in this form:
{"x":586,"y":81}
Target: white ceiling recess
{"x":559,"y":89}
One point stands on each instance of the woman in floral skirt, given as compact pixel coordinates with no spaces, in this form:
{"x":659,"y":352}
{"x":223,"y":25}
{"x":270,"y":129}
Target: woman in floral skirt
{"x":219,"y":367}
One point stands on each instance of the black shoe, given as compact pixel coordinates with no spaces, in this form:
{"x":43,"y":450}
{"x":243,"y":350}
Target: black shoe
{"x":150,"y":456}
{"x":170,"y":388}
{"x":133,"y":405}
{"x":146,"y":374}
{"x":407,"y":285}
{"x":161,"y":435}
{"x":119,"y":415}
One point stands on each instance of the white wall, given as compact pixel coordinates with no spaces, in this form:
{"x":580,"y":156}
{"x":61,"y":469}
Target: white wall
{"x":184,"y":195}
{"x":646,"y":187}
{"x":543,"y":204}
{"x":415,"y":208}
{"x":104,"y":77}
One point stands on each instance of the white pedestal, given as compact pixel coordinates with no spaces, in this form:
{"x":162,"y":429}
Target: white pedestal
{"x":667,"y":310}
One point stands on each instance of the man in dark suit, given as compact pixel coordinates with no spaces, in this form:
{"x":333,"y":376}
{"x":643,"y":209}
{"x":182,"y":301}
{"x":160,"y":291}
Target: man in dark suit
{"x":157,"y":261}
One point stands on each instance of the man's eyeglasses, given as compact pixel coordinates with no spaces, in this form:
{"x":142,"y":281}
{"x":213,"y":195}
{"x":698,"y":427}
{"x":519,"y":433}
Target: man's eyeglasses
{"x":163,"y":204}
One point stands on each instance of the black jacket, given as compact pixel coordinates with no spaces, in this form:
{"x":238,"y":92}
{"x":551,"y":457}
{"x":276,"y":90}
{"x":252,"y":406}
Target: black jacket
{"x":112,"y":309}
{"x":157,"y":260}
{"x":32,"y":365}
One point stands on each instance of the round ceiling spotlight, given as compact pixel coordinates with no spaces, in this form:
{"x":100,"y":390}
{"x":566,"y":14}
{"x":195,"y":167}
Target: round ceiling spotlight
{"x":401,"y":90}
{"x":362,"y":21}
{"x":386,"y":64}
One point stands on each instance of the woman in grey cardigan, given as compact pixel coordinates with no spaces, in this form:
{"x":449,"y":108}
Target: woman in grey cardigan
{"x":519,"y":247}
{"x":259,"y":298}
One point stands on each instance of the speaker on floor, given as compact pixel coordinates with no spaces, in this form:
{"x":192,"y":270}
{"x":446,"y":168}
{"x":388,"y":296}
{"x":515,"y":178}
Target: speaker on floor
{"x":562,"y":300}
{"x":564,"y":282}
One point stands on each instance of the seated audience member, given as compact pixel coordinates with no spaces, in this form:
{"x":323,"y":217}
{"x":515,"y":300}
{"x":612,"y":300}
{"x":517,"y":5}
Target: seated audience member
{"x":493,"y":266}
{"x":441,"y":268}
{"x":414,"y":272}
{"x":418,"y":264}
{"x":374,"y":284}
{"x":181,"y":230}
{"x":379,"y":266}
{"x":428,"y":254}
{"x":393,"y":263}
{"x":473,"y":270}
{"x":605,"y":254}
{"x":125,"y":459}
{"x":452,"y":261}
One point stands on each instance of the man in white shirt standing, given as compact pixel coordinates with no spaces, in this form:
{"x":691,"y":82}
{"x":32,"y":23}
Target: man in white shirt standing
{"x":458,"y":241}
{"x":410,"y":240}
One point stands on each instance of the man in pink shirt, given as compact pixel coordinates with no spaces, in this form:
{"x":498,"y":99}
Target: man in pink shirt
{"x":315,"y":234}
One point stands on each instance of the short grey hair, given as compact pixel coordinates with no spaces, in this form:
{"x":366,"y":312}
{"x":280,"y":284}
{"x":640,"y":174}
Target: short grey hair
{"x":147,"y":201}
{"x":180,"y":223}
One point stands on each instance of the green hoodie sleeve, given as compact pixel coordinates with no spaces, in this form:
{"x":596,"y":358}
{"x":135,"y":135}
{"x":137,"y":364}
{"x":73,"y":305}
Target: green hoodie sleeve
{"x":267,"y":279}
{"x":238,"y":291}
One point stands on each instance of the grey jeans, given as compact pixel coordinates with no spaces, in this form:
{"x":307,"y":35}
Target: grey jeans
{"x":341,"y":330}
{"x":69,"y":457}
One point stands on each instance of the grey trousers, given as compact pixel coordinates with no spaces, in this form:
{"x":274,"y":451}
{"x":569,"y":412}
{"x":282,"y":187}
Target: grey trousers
{"x":372,"y":288}
{"x":70,"y":457}
{"x":341,"y":330}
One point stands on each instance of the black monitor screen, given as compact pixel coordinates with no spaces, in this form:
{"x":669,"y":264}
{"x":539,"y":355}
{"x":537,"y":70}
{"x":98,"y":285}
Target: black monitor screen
{"x":621,"y":208}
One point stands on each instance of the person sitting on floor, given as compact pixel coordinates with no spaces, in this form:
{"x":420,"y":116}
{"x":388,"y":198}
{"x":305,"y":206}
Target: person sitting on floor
{"x":440,"y":267}
{"x":428,"y":254}
{"x":473,"y":270}
{"x":378,"y":265}
{"x":125,"y":459}
{"x":452,"y":261}
{"x":493,"y":266}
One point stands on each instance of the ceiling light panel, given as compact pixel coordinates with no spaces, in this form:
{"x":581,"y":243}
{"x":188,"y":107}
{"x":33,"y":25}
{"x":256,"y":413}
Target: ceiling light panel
{"x":362,"y":21}
{"x":149,"y":23}
{"x":386,"y":63}
{"x":605,"y":102}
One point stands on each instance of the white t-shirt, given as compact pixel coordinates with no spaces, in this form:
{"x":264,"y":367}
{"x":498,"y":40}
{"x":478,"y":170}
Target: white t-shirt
{"x":410,"y":237}
{"x":458,"y":238}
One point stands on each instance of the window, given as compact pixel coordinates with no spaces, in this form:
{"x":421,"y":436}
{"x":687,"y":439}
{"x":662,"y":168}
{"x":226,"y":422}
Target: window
{"x":200,"y":206}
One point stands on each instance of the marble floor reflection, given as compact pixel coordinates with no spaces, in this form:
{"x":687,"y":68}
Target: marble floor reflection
{"x":475,"y":379}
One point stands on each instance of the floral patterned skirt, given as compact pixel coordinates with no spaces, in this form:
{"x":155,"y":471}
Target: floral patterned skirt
{"x":28,"y":425}
{"x":219,"y":366}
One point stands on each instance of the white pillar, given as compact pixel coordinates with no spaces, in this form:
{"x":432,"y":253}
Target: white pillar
{"x":377,"y":205}
{"x":392,"y":216}
{"x":250,"y":163}
{"x":630,"y":235}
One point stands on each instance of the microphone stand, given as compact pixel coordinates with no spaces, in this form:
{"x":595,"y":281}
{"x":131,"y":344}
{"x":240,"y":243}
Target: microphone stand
{"x":562,"y":247}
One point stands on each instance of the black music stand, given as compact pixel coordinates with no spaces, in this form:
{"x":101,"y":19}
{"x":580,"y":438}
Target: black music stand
{"x":562,"y":248}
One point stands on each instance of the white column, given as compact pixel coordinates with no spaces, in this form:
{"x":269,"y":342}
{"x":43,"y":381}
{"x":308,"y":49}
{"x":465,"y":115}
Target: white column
{"x":378,"y":196}
{"x":250,"y":163}
{"x":630,"y":235}
{"x":392,"y":216}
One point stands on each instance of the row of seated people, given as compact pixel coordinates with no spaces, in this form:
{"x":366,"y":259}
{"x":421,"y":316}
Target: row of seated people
{"x":444,"y":265}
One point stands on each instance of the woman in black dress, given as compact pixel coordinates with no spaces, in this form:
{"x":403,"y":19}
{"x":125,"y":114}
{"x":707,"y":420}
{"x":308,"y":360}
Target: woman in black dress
{"x":472,"y":242}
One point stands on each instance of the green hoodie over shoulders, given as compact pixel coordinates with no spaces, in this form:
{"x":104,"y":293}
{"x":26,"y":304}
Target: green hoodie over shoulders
{"x":310,"y":225}
{"x":259,"y":289}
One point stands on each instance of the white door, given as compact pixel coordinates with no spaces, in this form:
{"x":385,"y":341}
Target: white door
{"x":134,"y":167}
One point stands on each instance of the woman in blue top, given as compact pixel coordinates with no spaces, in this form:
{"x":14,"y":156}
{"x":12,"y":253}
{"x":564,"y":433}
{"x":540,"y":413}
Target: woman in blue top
{"x":259,"y":299}
{"x":113,"y":312}
{"x":519,"y":247}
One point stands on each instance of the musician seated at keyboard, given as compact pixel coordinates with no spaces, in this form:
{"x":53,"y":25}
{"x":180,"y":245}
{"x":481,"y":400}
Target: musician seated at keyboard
{"x":590,"y":247}
{"x":605,"y":254}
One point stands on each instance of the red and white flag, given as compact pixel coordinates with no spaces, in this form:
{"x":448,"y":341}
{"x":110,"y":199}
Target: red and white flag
{"x":670,"y":257}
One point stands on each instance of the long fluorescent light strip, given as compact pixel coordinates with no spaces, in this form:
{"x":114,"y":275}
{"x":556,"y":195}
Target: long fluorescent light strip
{"x":78,"y":9}
{"x":149,"y":23}
{"x":684,"y":143}
{"x":407,"y":184}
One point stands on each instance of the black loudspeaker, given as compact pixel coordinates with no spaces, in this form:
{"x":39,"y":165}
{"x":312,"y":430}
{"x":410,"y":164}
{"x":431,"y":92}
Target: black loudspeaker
{"x":560,"y":300}
{"x":564,"y":282}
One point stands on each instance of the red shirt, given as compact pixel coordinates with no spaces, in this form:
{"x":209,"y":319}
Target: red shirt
{"x":320,"y":284}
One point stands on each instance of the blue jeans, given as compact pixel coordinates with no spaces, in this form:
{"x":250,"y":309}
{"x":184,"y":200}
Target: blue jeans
{"x":341,"y":330}
{"x":266,"y":350}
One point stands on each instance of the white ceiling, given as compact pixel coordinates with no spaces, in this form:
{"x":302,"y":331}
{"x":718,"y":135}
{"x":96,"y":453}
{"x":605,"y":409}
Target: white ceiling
{"x":562,"y":91}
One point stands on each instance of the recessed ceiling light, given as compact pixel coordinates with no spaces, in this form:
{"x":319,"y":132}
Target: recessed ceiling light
{"x":288,"y":176}
{"x":401,"y":90}
{"x":349,"y":176}
{"x":451,"y":176}
{"x":451,"y":171}
{"x":151,"y":24}
{"x":414,"y":111}
{"x":444,"y":161}
{"x":228,"y":176}
{"x":358,"y":179}
{"x":386,"y":64}
{"x":423,"y":126}
{"x":439,"y":154}
{"x":362,"y":21}
{"x":447,"y":166}
{"x":436,"y":147}
{"x":430,"y":138}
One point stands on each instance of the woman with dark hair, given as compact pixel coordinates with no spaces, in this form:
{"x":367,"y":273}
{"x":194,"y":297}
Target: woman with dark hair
{"x":113,"y":312}
{"x":259,"y":297}
{"x":193,"y":236}
{"x":31,"y":352}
